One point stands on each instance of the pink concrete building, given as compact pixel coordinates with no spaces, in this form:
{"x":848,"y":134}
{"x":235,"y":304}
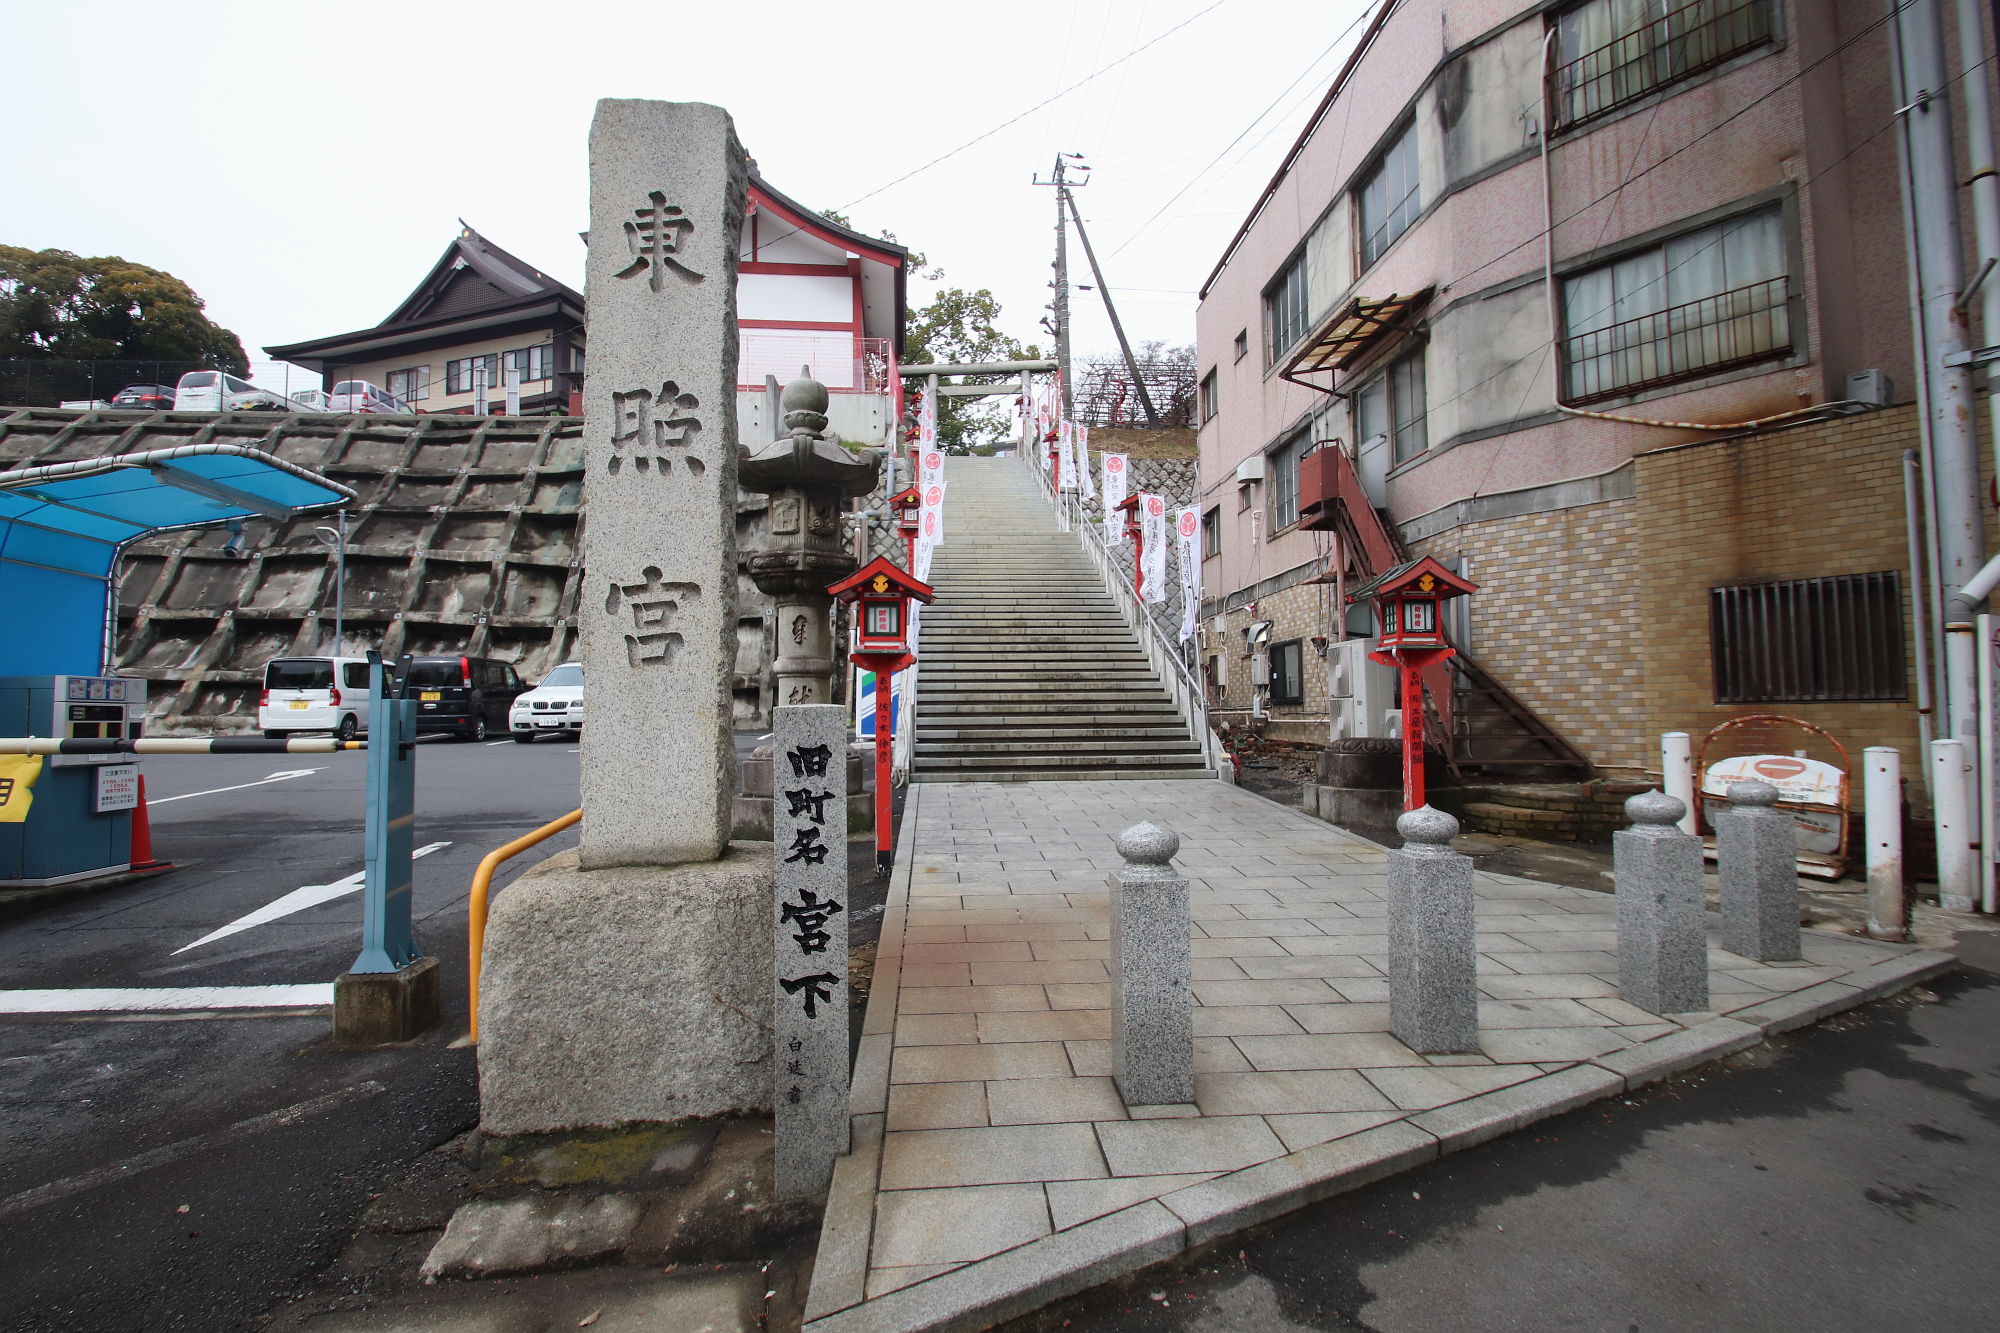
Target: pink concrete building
{"x":1726,"y":249}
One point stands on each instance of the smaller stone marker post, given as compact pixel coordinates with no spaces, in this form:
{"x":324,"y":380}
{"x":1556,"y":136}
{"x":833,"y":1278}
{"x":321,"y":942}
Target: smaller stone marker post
{"x":1756,"y":853}
{"x":1152,"y":1014}
{"x":1433,"y":962}
{"x":1662,"y":940}
{"x":809,"y":914}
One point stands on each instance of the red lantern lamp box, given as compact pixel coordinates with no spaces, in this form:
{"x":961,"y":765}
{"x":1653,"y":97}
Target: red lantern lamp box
{"x":1807,"y":764}
{"x":905,"y":504}
{"x":881,"y":594}
{"x":1408,"y":601}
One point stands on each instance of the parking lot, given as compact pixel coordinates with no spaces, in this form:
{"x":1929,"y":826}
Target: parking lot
{"x":190,"y":1167}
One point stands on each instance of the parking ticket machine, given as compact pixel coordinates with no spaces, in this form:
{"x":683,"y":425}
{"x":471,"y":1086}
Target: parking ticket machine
{"x":80,"y":824}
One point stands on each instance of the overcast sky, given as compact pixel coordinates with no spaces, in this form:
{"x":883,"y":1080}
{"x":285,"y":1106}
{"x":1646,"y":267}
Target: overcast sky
{"x":302,"y":165}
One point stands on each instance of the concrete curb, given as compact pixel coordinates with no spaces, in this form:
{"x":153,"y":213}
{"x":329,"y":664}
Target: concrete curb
{"x":1005,"y":1285}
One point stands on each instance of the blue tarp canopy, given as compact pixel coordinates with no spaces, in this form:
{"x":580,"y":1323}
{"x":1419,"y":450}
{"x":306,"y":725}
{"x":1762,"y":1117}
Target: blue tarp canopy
{"x":62,"y":524}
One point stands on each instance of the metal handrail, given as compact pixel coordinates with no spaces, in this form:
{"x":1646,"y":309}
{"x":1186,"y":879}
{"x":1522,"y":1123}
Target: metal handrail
{"x":475,"y":913}
{"x":1190,"y":699}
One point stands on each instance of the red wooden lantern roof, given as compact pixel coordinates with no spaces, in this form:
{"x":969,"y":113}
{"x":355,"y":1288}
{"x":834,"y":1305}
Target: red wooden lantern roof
{"x":880,"y":578}
{"x":909,"y":495}
{"x":1423,"y":577}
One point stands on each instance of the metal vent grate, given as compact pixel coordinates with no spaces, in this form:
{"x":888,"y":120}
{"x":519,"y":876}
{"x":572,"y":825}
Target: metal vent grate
{"x":1808,"y":640}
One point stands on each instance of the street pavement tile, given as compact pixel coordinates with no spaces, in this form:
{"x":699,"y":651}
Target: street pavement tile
{"x":1276,"y":910}
{"x":1163,"y":1111}
{"x":1274,"y":927}
{"x":937,"y":974}
{"x":986,"y":1060}
{"x":1554,"y":961}
{"x":1203,"y":908}
{"x":1211,"y":1143}
{"x":1638,"y":1032}
{"x":1554,"y":985}
{"x":1079,"y":995}
{"x":933,"y":934}
{"x":1291,"y":1091}
{"x":1350,"y":894}
{"x":1303,"y":1131}
{"x":1215,"y":969}
{"x":1026,"y":932}
{"x":1256,"y":946}
{"x":1565,"y":922}
{"x":1377,"y":945}
{"x":1283,"y":990}
{"x":1788,"y":978}
{"x":1730,"y":983}
{"x":1074,"y":1201}
{"x":1345,"y":1017}
{"x":1212,"y":1055}
{"x":1362,"y":990}
{"x":999,"y":1155}
{"x":1618,"y":1011}
{"x":1317,"y":965}
{"x":882,"y":1281}
{"x":1489,"y":885}
{"x":1036,"y":973}
{"x":970,"y":999}
{"x":1519,"y":1045}
{"x":1539,"y":1014}
{"x":1421,"y":1089}
{"x":960,"y":951}
{"x":1339,"y":1050}
{"x":1046,"y":1025}
{"x":936,"y":1029}
{"x":938,"y":1226}
{"x":1599,"y":904}
{"x":1457,"y":1058}
{"x":937,"y":1105}
{"x":1045,"y":1101}
{"x":1053,"y":949}
{"x":1242,"y":1020}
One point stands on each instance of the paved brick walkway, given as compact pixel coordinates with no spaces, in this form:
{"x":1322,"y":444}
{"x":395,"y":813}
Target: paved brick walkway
{"x":985,"y":1121}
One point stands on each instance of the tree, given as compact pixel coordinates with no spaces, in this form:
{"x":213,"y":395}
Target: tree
{"x":958,"y":328}
{"x":56,"y":304}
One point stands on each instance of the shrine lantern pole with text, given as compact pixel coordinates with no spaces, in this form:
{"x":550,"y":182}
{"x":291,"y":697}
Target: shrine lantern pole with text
{"x":882,"y":595}
{"x":907,"y":505}
{"x":1136,"y":535}
{"x":1409,"y":618}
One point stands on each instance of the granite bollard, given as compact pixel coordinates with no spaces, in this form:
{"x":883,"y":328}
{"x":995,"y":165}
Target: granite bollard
{"x":809,"y":997}
{"x":1152,"y":1014}
{"x":1662,"y":939}
{"x":1433,"y":959}
{"x":1756,"y":853}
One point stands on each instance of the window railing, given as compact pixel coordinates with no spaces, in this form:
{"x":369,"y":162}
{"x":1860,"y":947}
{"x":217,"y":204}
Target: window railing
{"x":1700,"y":337}
{"x":1681,"y":42}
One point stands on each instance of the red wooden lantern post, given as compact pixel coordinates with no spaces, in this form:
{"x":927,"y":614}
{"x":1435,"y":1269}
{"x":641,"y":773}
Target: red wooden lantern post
{"x":882,"y":594}
{"x":907,"y":504}
{"x":1408,"y":601}
{"x":1136,"y":535}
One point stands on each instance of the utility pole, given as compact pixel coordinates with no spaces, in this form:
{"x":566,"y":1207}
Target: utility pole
{"x":1060,"y":306}
{"x":1131,"y":362}
{"x":1943,"y":346}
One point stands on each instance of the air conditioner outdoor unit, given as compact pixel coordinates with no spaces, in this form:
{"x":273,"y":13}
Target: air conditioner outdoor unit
{"x":1250,"y":469}
{"x":1395,"y":718}
{"x":1871,"y":387}
{"x":1369,"y":686}
{"x":1342,"y":726}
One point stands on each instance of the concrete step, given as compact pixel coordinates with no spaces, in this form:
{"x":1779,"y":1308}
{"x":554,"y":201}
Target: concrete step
{"x":1065,"y":775}
{"x":1053,"y":762}
{"x":1014,"y":749}
{"x":1028,"y":729}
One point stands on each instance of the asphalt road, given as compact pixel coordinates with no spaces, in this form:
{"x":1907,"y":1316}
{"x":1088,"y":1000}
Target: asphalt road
{"x":1841,"y":1178}
{"x":190,"y":1170}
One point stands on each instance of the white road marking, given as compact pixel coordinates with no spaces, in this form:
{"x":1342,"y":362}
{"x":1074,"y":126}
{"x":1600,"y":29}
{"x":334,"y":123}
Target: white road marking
{"x":312,"y":895}
{"x":504,"y":740}
{"x":282,"y":1118}
{"x":96,"y":1000}
{"x":241,"y":786}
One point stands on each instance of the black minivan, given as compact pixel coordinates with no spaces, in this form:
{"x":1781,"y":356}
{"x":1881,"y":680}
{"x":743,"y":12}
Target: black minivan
{"x":466,"y":696}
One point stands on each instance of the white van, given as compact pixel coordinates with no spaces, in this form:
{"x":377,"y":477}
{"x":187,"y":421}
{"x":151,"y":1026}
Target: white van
{"x":310,"y":400}
{"x":219,"y":391}
{"x":361,"y":396}
{"x":314,"y":694}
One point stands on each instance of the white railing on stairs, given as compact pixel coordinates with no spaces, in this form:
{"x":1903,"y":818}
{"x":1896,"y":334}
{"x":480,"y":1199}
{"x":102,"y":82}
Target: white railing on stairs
{"x":1190,"y":699}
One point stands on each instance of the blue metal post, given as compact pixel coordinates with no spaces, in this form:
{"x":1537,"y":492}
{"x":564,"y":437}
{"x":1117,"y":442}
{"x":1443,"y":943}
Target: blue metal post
{"x":386,"y":943}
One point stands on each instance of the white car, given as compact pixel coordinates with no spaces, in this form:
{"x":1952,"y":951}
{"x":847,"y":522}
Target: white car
{"x":218,"y":391}
{"x":361,"y":396}
{"x":552,"y":708}
{"x":310,"y":400}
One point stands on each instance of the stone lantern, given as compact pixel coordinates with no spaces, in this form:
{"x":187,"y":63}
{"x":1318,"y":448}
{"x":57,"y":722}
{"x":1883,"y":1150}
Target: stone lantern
{"x":809,"y":479}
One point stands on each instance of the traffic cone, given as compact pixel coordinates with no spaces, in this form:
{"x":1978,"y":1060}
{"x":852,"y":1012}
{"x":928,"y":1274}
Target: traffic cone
{"x":142,"y":837}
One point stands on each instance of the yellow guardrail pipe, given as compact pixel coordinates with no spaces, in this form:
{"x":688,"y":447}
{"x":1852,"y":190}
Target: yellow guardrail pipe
{"x":482,"y":885}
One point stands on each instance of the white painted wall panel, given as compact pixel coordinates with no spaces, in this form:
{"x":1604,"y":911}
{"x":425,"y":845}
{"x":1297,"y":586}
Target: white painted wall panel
{"x":794,"y":297}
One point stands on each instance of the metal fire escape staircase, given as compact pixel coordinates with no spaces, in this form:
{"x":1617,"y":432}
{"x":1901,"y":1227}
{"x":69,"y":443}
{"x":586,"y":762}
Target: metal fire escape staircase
{"x":1487,"y":732}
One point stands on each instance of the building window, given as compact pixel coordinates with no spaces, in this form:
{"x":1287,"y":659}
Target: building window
{"x":1242,"y":343}
{"x":461,"y":376}
{"x":1211,"y":533}
{"x":412,"y":385}
{"x":1288,"y":685}
{"x":1808,"y":640}
{"x":1700,"y":303}
{"x":1282,"y":464}
{"x":1389,"y":197}
{"x":1285,"y":308}
{"x":1610,"y":52}
{"x":534,"y":363}
{"x":1393,"y":404}
{"x":1208,"y":397}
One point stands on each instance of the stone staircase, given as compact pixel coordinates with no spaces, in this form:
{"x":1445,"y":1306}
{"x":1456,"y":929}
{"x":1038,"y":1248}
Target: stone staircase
{"x":1027,"y":672}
